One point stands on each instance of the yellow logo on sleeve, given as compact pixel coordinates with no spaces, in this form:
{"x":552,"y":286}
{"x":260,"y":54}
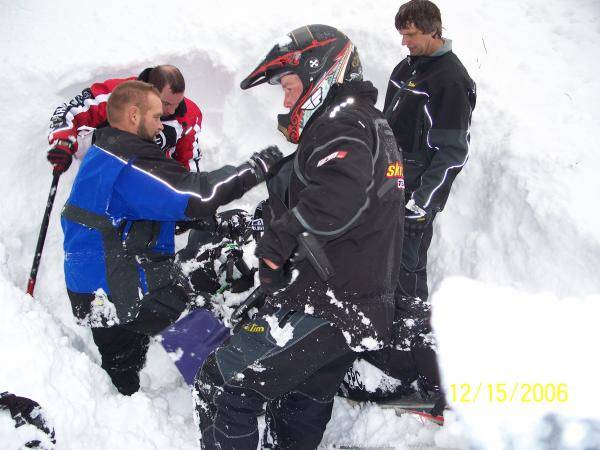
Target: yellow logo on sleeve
{"x":395,"y":170}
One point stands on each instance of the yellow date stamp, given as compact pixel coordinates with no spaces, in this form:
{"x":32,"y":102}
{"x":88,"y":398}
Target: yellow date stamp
{"x":514,"y":392}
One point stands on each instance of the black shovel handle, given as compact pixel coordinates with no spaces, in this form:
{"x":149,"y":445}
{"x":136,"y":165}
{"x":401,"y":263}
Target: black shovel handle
{"x":42,"y":236}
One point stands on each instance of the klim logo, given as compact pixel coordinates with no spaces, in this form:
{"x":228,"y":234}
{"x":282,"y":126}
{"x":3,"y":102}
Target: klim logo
{"x":253,"y":328}
{"x":395,"y":170}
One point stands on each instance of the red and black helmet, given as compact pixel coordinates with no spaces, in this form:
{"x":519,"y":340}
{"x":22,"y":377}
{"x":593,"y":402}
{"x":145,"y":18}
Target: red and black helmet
{"x":321,"y":56}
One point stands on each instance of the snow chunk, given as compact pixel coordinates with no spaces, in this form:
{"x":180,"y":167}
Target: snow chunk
{"x":333,"y":300}
{"x":364,"y":319}
{"x":281,"y":334}
{"x":257,"y":367}
{"x":366,"y":344}
{"x":103,"y":313}
{"x":370,"y":378}
{"x":370,"y":343}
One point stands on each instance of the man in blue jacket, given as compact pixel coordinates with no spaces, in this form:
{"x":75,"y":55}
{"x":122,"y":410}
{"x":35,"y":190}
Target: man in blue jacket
{"x":119,"y":224}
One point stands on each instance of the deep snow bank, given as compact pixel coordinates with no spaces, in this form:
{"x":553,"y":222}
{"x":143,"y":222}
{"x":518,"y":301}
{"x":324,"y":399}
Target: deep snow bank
{"x":519,"y":368}
{"x":521,"y":214}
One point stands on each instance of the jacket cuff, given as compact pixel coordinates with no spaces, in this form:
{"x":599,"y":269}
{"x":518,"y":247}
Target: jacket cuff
{"x":247,"y":176}
{"x":65,"y":135}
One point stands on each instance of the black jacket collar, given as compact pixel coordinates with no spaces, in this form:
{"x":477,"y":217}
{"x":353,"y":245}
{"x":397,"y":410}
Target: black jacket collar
{"x":364,"y":90}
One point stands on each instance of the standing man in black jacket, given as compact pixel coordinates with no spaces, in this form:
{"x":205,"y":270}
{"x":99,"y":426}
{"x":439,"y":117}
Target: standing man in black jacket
{"x":428,"y":104}
{"x":343,"y":188}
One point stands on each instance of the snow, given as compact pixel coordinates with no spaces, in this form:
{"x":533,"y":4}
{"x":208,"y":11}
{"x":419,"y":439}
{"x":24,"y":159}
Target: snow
{"x":536,"y":347}
{"x":385,"y":429}
{"x":281,"y":335}
{"x":513,"y":267}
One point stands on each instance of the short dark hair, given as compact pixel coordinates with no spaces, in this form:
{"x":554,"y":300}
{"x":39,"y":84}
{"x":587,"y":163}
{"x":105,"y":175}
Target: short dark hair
{"x":167,"y":75}
{"x":425,"y":15}
{"x":132,"y":92}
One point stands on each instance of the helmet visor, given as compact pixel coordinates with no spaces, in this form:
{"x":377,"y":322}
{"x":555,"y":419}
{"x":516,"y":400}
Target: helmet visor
{"x":280,"y":60}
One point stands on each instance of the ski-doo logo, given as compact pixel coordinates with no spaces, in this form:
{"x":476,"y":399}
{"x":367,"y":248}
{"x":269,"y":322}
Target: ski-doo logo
{"x":395,"y":170}
{"x":340,"y":154}
{"x":313,"y":63}
{"x":412,"y":84}
{"x":253,"y":328}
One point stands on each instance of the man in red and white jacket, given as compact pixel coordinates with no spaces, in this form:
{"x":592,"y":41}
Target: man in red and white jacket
{"x":181,"y":118}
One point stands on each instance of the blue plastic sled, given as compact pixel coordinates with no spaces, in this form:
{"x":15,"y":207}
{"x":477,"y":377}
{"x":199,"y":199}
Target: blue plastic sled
{"x":192,"y":338}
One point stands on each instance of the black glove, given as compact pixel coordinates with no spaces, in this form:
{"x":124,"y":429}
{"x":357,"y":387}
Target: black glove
{"x":60,"y":155}
{"x":415,"y":223}
{"x":271,"y":280}
{"x":26,"y":411}
{"x":208,"y":224}
{"x":262,"y":161}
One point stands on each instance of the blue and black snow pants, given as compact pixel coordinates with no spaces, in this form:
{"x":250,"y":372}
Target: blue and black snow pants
{"x":292,"y":362}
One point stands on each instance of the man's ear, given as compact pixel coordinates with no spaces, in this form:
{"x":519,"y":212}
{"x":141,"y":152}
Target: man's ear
{"x":134,"y":115}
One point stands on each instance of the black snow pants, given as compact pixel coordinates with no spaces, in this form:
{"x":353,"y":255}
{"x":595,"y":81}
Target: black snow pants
{"x":124,"y":347}
{"x":412,"y":356}
{"x":295,"y":375}
{"x":413,"y":273}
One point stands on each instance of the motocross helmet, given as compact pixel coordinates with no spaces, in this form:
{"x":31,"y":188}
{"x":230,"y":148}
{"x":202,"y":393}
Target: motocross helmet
{"x":321,"y":56}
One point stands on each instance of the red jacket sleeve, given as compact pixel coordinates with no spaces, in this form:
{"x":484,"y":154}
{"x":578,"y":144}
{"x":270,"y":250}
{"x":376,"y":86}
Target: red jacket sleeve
{"x":187,"y":150}
{"x":86,"y":109}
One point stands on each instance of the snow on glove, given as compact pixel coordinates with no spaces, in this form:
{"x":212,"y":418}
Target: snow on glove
{"x":262,"y":161}
{"x":60,"y":155}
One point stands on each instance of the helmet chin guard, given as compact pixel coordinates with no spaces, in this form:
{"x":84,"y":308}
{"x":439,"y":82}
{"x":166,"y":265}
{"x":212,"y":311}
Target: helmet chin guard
{"x":321,"y":56}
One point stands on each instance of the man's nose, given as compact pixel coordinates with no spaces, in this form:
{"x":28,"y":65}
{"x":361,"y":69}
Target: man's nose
{"x":290,"y":99}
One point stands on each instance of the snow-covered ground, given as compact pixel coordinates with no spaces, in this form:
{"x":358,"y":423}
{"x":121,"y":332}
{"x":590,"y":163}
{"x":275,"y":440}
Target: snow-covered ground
{"x":514,"y":265}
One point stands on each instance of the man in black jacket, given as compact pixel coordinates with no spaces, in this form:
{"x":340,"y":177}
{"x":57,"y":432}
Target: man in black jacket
{"x":428,"y":104}
{"x":342,"y":192}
